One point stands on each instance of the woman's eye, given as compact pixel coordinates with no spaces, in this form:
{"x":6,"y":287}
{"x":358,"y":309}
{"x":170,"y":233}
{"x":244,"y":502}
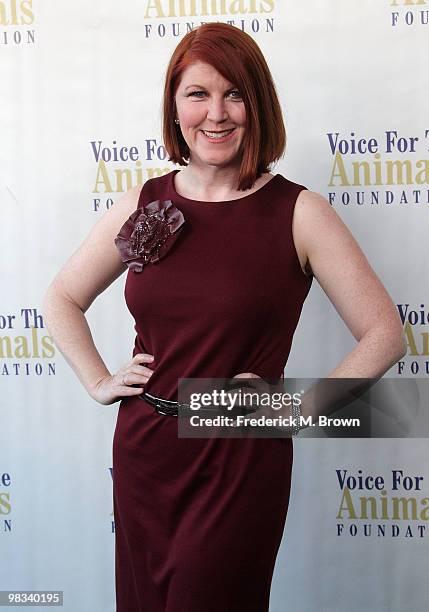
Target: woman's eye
{"x":198,"y":94}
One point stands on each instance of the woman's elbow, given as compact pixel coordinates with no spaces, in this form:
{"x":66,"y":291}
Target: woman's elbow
{"x":402,"y":350}
{"x":48,"y":303}
{"x":398,"y":340}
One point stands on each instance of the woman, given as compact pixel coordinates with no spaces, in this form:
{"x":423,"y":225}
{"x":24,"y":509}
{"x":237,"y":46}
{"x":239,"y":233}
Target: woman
{"x":221,"y":256}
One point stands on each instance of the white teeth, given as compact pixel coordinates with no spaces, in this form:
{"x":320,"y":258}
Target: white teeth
{"x":217,"y":134}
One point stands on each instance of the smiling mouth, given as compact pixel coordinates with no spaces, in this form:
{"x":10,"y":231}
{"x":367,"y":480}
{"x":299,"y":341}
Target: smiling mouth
{"x":215,"y":135}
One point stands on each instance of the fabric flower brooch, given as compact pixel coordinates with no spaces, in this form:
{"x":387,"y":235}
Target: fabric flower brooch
{"x":149,"y":233}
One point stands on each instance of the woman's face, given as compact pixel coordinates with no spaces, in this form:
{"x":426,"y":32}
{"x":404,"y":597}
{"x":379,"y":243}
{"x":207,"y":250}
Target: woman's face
{"x":208,"y":103}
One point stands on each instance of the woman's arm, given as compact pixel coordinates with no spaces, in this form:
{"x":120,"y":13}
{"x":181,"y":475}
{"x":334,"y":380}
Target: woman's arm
{"x":325,"y":245}
{"x":87,"y":273}
{"x":342,"y":270}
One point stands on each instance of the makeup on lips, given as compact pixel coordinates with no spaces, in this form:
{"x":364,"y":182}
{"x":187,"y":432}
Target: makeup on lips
{"x":218,"y":136}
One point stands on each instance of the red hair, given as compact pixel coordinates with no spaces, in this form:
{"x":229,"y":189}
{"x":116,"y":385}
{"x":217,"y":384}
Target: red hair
{"x":237,"y":57}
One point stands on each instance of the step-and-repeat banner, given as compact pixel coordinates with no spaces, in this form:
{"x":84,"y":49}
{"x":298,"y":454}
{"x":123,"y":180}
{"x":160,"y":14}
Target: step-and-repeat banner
{"x":80,"y":113}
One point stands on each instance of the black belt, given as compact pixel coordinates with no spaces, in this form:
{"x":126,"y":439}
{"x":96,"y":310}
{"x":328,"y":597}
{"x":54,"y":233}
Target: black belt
{"x":171,"y":407}
{"x":163,"y":406}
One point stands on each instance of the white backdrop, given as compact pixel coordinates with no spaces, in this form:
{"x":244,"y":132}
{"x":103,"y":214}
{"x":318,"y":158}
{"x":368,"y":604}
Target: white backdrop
{"x":76,"y":77}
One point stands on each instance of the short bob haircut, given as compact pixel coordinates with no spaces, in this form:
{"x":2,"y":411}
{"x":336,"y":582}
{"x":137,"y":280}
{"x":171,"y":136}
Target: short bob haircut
{"x":237,"y":57}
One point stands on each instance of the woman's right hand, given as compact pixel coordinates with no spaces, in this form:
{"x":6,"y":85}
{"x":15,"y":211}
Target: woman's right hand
{"x":115,"y":386}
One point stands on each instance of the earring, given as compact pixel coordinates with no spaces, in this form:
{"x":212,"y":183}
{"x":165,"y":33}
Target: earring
{"x":176,"y":121}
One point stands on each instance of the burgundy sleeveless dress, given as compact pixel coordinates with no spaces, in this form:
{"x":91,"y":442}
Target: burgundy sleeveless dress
{"x":198,"y":522}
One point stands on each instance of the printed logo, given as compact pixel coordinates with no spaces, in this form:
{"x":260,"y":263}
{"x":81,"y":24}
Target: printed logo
{"x":407,"y":13}
{"x":24,"y":348}
{"x":5,"y":503}
{"x":369,"y":171}
{"x":381,"y":506}
{"x":415,"y":322}
{"x":15,"y":17}
{"x":174,"y":18}
{"x":120,"y":167}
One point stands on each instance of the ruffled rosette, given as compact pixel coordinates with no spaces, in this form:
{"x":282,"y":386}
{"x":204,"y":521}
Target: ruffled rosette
{"x":149,"y":233}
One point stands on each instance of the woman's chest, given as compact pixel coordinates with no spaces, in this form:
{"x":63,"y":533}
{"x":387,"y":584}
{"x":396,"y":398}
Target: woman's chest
{"x":243,"y":267}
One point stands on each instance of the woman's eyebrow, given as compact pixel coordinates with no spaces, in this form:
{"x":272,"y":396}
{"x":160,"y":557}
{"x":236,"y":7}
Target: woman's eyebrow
{"x":202,"y":87}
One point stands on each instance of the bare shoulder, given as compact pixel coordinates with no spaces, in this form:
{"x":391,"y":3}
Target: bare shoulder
{"x":310,"y":204}
{"x":126,"y":203}
{"x":315,"y":224}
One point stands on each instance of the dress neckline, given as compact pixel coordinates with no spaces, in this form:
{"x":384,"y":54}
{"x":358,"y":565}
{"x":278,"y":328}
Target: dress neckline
{"x":255,"y":194}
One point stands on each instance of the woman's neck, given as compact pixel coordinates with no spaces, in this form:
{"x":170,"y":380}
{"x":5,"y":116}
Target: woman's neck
{"x":213,"y":183}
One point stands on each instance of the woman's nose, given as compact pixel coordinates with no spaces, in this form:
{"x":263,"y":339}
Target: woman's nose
{"x":217,"y":109}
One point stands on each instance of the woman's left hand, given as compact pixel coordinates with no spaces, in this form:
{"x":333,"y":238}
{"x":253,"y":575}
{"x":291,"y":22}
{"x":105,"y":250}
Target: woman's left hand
{"x":266,"y":410}
{"x":256,"y":388}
